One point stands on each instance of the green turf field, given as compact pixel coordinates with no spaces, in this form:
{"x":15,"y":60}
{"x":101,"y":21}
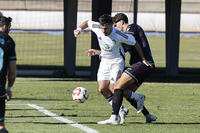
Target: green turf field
{"x":175,"y":104}
{"x":47,"y":50}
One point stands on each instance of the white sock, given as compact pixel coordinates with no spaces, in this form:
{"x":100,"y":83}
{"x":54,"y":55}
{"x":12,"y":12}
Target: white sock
{"x":110,"y":102}
{"x":135,"y":96}
{"x":121,"y":108}
{"x":114,"y":117}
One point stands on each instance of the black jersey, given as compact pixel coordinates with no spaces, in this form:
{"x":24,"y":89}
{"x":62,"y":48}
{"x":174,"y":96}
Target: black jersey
{"x":7,"y":53}
{"x":140,"y":37}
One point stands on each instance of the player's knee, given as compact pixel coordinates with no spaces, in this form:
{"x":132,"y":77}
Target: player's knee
{"x":105,"y":92}
{"x":118,"y":86}
{"x":102,"y":90}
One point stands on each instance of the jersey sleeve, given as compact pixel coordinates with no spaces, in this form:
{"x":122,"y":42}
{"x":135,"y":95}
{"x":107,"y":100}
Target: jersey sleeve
{"x":94,"y":26}
{"x":126,"y":38}
{"x":12,"y":50}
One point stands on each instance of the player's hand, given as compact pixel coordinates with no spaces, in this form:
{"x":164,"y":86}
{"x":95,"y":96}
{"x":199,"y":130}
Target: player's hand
{"x":77,"y":31}
{"x":92,"y":52}
{"x":9,"y":95}
{"x":147,"y":63}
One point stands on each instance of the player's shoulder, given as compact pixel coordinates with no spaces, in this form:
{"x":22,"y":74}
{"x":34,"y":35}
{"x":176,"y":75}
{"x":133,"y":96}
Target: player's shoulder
{"x":9,"y":40}
{"x":93,"y":24}
{"x":120,"y":33}
{"x":5,"y":38}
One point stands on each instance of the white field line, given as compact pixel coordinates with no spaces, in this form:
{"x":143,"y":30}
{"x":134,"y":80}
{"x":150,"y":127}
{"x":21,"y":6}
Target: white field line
{"x":71,"y":123}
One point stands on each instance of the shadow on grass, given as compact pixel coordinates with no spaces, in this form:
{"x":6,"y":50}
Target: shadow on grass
{"x":53,"y":123}
{"x":185,"y":75}
{"x":165,"y":123}
{"x":176,"y":123}
{"x":35,"y":109}
{"x":34,"y":99}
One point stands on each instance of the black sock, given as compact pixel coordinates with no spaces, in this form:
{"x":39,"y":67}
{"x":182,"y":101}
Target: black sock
{"x":134,"y":104}
{"x":117,"y":101}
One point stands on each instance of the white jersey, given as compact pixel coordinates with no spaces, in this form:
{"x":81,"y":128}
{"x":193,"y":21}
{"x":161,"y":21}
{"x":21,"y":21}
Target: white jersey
{"x":111,"y":45}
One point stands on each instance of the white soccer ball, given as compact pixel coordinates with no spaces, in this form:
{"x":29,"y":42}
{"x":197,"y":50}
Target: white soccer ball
{"x":80,"y":94}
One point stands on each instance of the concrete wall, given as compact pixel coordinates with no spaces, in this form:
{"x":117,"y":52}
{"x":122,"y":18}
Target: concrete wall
{"x":53,"y":20}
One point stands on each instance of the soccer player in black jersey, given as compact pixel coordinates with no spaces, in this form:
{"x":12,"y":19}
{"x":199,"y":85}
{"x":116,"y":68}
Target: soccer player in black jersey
{"x":134,"y":75}
{"x":7,"y":67}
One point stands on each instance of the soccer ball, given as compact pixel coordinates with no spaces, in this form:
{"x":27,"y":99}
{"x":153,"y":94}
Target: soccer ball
{"x":80,"y":94}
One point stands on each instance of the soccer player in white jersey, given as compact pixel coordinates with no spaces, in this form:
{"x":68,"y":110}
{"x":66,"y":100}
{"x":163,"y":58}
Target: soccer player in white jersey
{"x":112,"y":55}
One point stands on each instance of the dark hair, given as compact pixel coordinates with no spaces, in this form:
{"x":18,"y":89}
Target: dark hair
{"x":120,"y":16}
{"x":5,"y":21}
{"x":105,"y":19}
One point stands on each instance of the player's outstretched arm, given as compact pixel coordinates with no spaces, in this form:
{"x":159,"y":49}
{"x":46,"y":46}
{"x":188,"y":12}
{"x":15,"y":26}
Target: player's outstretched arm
{"x":80,"y":28}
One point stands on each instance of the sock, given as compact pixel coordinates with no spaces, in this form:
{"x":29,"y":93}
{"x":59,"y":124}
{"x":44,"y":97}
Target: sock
{"x":117,"y":101}
{"x":109,"y":99}
{"x":132,"y":95}
{"x":148,"y":115}
{"x":113,"y":117}
{"x":145,"y":112}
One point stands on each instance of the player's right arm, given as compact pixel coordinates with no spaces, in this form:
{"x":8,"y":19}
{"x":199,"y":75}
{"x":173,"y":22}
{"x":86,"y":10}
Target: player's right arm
{"x":12,"y":72}
{"x":80,"y":28}
{"x":92,"y":52}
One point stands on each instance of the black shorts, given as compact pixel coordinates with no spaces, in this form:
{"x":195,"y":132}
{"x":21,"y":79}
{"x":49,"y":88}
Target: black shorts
{"x":2,"y":107}
{"x":139,"y":72}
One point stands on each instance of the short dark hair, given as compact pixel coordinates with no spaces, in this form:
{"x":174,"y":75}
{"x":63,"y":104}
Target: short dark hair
{"x":120,"y":16}
{"x":105,"y":19}
{"x":5,"y":21}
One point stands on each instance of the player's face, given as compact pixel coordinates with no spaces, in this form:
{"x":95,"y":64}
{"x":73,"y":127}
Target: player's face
{"x":119,"y":25}
{"x":106,"y":29}
{"x":7,"y":28}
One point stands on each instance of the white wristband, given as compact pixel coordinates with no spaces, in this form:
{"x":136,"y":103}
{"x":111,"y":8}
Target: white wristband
{"x":9,"y":88}
{"x":79,"y":28}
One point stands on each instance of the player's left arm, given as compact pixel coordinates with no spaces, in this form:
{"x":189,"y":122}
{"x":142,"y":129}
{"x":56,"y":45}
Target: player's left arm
{"x":131,"y":41}
{"x":140,"y":52}
{"x":12,"y":72}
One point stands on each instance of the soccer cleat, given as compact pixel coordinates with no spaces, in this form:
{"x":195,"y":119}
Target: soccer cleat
{"x":122,"y":114}
{"x":112,"y":120}
{"x":150,"y":118}
{"x":140,"y":103}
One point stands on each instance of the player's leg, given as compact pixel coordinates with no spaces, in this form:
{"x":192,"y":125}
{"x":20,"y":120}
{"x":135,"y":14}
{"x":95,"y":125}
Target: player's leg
{"x":103,"y":78}
{"x":116,"y":72}
{"x":124,"y":82}
{"x":117,"y":100}
{"x":103,"y":88}
{"x":133,"y":88}
{"x":123,"y":112}
{"x":149,"y":117}
{"x":2,"y":114}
